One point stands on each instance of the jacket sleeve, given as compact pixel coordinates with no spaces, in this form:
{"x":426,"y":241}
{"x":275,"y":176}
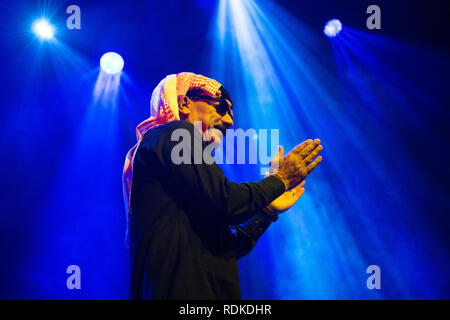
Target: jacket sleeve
{"x":246,"y":237}
{"x":203,"y":184}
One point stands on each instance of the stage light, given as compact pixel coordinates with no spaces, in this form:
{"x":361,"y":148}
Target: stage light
{"x":43,"y":29}
{"x":111,"y":63}
{"x":332,"y":28}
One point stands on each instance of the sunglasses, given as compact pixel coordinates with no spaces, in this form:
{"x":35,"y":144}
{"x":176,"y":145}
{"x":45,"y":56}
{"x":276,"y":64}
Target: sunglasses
{"x":222,"y":105}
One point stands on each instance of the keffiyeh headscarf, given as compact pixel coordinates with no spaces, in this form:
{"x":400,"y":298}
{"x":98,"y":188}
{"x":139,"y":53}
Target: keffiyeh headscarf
{"x":163,"y":109}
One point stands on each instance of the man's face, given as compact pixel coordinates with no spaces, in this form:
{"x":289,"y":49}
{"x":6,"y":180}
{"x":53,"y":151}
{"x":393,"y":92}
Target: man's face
{"x":212,"y":116}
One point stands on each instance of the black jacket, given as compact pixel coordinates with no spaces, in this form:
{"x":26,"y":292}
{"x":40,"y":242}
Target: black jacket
{"x":181,"y":243}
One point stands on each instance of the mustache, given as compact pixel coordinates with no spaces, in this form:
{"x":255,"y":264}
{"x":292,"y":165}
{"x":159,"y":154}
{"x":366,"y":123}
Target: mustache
{"x":221,"y":128}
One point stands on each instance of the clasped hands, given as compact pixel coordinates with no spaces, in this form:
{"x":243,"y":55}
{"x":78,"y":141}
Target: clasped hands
{"x":293,"y":169}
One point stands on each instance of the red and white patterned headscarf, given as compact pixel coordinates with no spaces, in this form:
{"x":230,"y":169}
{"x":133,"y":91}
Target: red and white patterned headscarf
{"x":164,"y":109}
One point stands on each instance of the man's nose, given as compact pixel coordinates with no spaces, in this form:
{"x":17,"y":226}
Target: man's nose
{"x":227,"y":121}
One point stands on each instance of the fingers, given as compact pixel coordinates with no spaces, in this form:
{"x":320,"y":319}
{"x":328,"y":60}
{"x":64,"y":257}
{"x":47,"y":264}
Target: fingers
{"x":298,"y":187}
{"x":280,"y":152}
{"x":304,"y":144}
{"x":298,"y":148}
{"x":314,"y":164}
{"x":313,"y":154}
{"x":298,"y":191}
{"x":309,"y":148}
{"x":275,"y":162}
{"x":278,"y":155}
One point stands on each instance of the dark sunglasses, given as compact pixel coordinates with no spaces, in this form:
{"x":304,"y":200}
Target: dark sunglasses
{"x":221,"y":105}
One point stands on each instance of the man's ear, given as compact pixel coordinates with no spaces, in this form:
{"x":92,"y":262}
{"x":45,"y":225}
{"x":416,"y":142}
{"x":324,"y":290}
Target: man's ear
{"x":184,"y":107}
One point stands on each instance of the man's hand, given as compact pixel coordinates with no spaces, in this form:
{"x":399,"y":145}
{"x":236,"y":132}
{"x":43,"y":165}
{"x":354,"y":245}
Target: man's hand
{"x":297,"y":164}
{"x":287,"y":199}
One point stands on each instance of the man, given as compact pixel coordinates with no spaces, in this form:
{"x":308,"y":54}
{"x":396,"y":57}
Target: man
{"x":180,"y":214}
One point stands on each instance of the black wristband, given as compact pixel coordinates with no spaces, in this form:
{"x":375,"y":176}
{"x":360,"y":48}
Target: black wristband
{"x":258,"y":225}
{"x":270,"y":214}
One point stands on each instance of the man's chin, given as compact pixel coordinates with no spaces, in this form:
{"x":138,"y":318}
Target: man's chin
{"x":213,"y":136}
